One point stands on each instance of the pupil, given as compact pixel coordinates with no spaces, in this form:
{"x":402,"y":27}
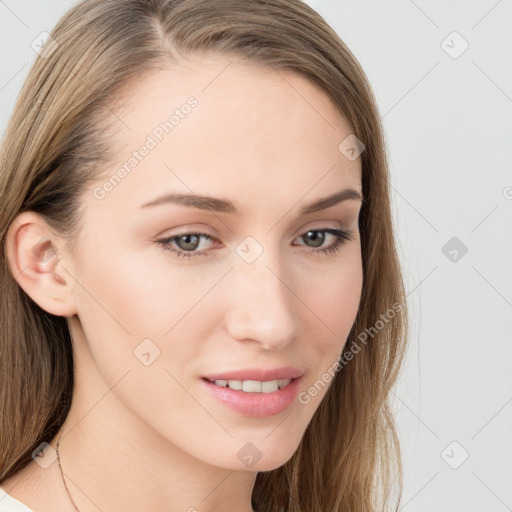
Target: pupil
{"x":189,"y":245}
{"x":317,"y":237}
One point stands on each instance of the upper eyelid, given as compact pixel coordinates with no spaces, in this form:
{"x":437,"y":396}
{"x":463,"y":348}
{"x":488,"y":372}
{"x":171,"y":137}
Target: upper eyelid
{"x":320,"y":227}
{"x":172,"y":237}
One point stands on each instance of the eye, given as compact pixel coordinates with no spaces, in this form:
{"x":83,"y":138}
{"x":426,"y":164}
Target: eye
{"x":340,"y":237}
{"x":188,"y":242}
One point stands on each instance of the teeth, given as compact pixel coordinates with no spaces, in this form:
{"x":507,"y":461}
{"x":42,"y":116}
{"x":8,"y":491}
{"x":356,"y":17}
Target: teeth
{"x":284,"y":382}
{"x":268,"y":387}
{"x":235,"y":384}
{"x":254,"y":386}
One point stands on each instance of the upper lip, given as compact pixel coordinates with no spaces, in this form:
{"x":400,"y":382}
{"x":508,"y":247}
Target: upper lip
{"x":260,"y":374}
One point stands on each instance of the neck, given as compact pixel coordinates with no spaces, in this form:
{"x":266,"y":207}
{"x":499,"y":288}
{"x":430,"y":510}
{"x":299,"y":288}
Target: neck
{"x":144,"y":478}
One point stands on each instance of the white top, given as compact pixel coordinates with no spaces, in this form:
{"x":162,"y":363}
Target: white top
{"x":10,"y":504}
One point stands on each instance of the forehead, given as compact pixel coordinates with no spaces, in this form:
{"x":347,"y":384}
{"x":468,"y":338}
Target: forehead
{"x":213,"y":124}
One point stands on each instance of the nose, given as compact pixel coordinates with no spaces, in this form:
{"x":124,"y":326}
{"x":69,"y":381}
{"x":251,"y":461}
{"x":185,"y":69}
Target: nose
{"x":262,"y":305}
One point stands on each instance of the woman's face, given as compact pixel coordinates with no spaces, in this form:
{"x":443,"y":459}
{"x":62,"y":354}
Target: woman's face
{"x":169,"y":292}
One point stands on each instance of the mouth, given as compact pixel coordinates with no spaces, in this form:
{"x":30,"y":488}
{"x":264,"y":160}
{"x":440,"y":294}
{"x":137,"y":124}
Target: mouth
{"x":253,"y":398}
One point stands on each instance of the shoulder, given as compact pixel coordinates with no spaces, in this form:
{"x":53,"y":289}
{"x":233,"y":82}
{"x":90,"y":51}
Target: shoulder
{"x":33,"y":486}
{"x":10,"y":504}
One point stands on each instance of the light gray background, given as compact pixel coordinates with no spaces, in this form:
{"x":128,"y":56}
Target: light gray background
{"x":448,"y":124}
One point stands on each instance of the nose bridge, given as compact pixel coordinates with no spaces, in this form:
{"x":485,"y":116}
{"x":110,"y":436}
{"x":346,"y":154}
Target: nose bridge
{"x":263,"y":308}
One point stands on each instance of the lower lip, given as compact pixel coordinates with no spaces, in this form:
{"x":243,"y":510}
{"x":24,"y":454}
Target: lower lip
{"x":255,"y":405}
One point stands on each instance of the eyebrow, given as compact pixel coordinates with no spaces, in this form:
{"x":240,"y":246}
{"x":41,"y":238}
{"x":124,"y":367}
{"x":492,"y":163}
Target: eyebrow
{"x":214,"y":204}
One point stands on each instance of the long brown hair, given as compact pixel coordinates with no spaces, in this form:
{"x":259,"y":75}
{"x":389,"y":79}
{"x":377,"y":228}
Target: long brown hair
{"x":55,"y":145}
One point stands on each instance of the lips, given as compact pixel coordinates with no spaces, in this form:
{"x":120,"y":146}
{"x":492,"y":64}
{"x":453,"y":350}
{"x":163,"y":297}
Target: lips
{"x":259,"y":374}
{"x":255,"y":404}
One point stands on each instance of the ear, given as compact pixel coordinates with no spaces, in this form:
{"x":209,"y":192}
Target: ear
{"x":36,"y":259}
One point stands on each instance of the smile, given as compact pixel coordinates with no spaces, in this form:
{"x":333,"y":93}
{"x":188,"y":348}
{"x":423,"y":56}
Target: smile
{"x":253,"y":386}
{"x":253,"y":398}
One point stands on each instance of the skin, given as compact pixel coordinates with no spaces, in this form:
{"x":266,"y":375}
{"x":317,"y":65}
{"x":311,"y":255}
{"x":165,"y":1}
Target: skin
{"x":151,"y":437}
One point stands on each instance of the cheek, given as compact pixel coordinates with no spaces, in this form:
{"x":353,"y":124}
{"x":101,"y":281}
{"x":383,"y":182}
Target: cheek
{"x":335,"y":300}
{"x":141,"y":293}
{"x":334,"y":296}
{"x":137,"y":304}
{"x":138,"y":322}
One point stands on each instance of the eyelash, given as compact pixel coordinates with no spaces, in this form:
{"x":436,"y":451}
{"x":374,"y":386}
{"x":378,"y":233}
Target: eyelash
{"x":341,"y":235}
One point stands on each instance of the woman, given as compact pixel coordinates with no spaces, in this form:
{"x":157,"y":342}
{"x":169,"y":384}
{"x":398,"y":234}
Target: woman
{"x":203,"y":306}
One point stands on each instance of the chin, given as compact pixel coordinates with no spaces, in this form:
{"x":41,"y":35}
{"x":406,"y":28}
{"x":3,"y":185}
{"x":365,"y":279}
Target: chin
{"x":264,"y":456}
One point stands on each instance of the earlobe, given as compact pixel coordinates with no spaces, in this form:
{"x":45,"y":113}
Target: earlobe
{"x":35,"y":257}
